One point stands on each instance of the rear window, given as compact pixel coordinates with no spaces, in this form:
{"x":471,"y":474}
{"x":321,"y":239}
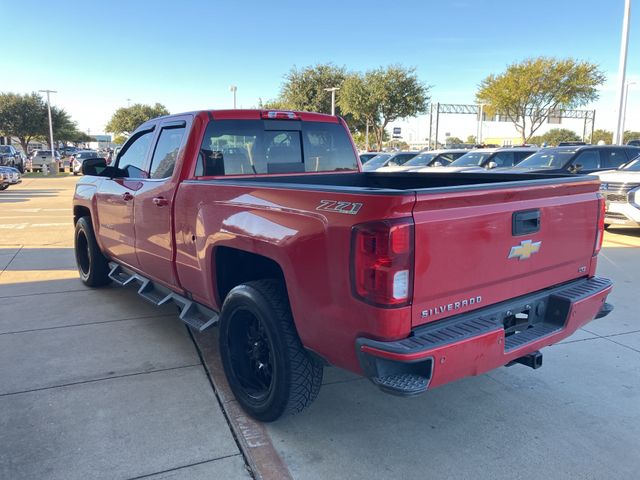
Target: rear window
{"x":248,"y":147}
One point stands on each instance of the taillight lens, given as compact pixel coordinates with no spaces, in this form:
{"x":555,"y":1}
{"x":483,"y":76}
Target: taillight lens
{"x":382,"y":262}
{"x":600,"y":233}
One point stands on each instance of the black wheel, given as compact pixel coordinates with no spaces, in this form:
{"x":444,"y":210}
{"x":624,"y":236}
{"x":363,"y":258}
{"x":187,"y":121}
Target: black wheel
{"x":92,"y":265}
{"x":268,"y":369}
{"x":4,"y":186}
{"x":75,"y":174}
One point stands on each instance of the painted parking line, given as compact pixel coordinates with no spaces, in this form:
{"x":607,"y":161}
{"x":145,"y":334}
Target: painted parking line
{"x":22,"y":226}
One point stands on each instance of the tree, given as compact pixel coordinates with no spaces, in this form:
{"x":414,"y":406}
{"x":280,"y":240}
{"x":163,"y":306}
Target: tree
{"x":471,"y":139}
{"x":23,"y":117}
{"x":530,"y":91}
{"x":304,"y":88}
{"x":126,"y":119}
{"x":454,"y":141}
{"x":120,"y":139}
{"x":629,"y":135}
{"x":602,"y":135}
{"x":383,"y":95}
{"x":555,"y":136}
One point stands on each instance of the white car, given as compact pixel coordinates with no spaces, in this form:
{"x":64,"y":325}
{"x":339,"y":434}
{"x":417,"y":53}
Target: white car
{"x":483,"y":159}
{"x":388,"y":159}
{"x":621,"y":190}
{"x":432,"y":158}
{"x":79,"y":157}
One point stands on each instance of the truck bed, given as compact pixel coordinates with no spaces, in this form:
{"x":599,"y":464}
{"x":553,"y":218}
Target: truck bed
{"x":401,"y":183}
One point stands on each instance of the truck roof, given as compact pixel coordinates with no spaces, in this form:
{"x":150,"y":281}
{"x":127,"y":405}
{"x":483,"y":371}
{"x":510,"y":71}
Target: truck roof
{"x":255,"y":114}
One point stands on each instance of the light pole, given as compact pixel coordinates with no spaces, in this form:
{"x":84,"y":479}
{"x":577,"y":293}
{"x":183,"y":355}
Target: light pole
{"x":233,"y":89}
{"x":128,"y":102}
{"x":624,"y":106}
{"x":333,"y":91}
{"x":54,"y":164}
{"x":618,"y":135}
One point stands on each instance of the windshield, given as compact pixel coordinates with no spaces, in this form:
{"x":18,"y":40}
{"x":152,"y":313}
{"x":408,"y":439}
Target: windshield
{"x":377,"y":161}
{"x":633,"y":166}
{"x":471,"y":159}
{"x":5,"y":149}
{"x":365,"y":157}
{"x":421,"y":160}
{"x":555,"y":158}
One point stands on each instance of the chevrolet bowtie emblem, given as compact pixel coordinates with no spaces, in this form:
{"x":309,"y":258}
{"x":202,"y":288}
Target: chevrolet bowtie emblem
{"x":524,"y":250}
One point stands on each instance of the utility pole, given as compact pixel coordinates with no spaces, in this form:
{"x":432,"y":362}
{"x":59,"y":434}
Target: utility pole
{"x":54,"y":164}
{"x":624,"y":106}
{"x":618,"y":135}
{"x":233,"y":89}
{"x":366,"y":138}
{"x":333,"y":91}
{"x":128,"y":102}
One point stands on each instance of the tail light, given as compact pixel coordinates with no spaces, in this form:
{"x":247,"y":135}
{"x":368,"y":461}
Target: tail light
{"x":382,"y":262}
{"x":600,"y":232}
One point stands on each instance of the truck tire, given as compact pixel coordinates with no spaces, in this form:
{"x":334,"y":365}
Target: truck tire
{"x":268,"y":369}
{"x":92,"y":265}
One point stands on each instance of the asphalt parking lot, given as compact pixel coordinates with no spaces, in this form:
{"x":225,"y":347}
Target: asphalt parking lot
{"x":99,"y":384}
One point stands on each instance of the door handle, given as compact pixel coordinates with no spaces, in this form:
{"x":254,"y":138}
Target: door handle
{"x":160,"y":202}
{"x":126,"y":196}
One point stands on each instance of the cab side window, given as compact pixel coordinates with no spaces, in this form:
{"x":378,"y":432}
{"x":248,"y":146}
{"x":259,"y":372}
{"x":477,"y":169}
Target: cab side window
{"x":589,"y":159}
{"x":166,"y":152}
{"x":132,"y":160}
{"x":613,"y":158}
{"x":503,"y":159}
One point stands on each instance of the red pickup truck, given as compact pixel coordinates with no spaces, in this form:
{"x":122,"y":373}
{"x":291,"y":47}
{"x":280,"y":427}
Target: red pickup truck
{"x":264,"y":222}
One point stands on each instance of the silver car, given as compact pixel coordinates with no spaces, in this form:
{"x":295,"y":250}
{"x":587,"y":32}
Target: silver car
{"x":79,"y":157}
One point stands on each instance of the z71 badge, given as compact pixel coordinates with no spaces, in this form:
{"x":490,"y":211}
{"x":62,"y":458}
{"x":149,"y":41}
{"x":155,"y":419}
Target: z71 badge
{"x":350,"y":208}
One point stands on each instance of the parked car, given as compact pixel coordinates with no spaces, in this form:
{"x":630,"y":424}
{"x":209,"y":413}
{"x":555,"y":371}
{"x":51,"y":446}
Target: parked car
{"x":68,"y":151}
{"x":484,"y":159}
{"x":10,"y":176}
{"x":433,"y":158}
{"x":576,"y":159}
{"x":42,"y":157}
{"x":621,"y":191}
{"x":388,"y":159}
{"x":634,"y":142}
{"x":304,"y":261}
{"x":365,"y":157}
{"x":10,"y":157}
{"x":81,"y":156}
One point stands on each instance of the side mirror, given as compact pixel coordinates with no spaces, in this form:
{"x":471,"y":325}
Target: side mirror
{"x":437,"y":163}
{"x":93,"y":166}
{"x":576,"y":168}
{"x":491,"y":165}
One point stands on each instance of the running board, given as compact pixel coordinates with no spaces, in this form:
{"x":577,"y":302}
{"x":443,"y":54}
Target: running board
{"x":192,"y":313}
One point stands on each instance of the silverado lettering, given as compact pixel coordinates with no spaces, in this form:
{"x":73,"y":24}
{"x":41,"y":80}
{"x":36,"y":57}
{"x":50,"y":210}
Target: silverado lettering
{"x":217,"y":212}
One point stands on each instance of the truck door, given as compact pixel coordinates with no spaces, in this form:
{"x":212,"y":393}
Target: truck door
{"x":154,"y":202}
{"x":115,"y":200}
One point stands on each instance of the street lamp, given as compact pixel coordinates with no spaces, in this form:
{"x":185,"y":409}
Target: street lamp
{"x":618,"y":135}
{"x":54,"y":164}
{"x":233,"y":89}
{"x":624,"y":106}
{"x":333,"y":91}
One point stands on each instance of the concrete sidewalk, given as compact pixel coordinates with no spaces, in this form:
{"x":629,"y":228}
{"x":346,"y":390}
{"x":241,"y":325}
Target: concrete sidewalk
{"x":94,"y":383}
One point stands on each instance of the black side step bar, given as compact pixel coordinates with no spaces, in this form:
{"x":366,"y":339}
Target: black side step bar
{"x":192,"y":313}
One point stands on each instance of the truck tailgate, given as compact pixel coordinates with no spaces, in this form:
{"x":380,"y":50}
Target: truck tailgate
{"x":470,"y":249}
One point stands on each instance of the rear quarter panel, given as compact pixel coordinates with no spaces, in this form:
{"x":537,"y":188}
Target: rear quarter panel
{"x":312,"y":248}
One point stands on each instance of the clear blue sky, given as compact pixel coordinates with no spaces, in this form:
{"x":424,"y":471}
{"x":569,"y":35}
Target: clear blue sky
{"x":185,"y":54}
